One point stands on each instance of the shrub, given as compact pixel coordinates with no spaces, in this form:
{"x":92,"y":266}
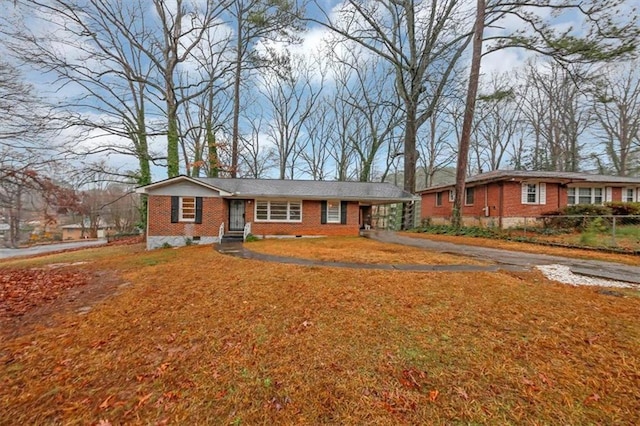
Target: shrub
{"x":251,"y":238}
{"x":619,"y":208}
{"x":166,"y":245}
{"x":586,"y":210}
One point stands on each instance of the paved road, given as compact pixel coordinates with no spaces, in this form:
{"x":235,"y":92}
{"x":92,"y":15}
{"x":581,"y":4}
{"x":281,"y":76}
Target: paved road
{"x":30,"y":251}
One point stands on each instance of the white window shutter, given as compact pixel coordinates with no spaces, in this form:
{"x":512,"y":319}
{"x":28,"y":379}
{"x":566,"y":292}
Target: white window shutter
{"x":542,"y":197}
{"x":607,"y":194}
{"x":523,"y":199}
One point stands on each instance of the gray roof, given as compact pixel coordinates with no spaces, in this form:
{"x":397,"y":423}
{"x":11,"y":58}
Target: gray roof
{"x":374,"y":192}
{"x":309,"y":189}
{"x":548,"y":176}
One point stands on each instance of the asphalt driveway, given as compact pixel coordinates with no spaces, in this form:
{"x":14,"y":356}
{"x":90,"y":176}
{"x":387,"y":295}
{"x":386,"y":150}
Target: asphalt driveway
{"x":49,"y":248}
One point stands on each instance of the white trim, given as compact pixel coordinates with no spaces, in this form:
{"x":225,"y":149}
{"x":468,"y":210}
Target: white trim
{"x":466,"y":194}
{"x":540,"y":193}
{"x":181,"y":217}
{"x":592,"y":195}
{"x":288,"y":220}
{"x":171,"y":181}
{"x":337,"y":213}
{"x":635,"y":194}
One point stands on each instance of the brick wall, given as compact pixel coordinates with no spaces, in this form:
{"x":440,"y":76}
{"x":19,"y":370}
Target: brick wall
{"x":214,"y":211}
{"x":490,"y":195}
{"x":310,"y":224}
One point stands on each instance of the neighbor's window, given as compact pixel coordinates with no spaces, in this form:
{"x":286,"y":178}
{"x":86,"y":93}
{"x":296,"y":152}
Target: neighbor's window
{"x":438,"y":198}
{"x":469,"y":195}
{"x":629,"y":195}
{"x":534,"y":193}
{"x":452,"y":195}
{"x":278,"y":211}
{"x":188,"y":209}
{"x":333,"y":211}
{"x":585,"y":195}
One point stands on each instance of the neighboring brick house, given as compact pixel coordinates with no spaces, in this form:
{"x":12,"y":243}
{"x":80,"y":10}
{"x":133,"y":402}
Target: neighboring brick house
{"x":504,"y":198}
{"x":184,"y":208}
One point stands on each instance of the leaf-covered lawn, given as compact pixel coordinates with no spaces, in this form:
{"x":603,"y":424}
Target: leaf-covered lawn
{"x":202,"y":338}
{"x":357,"y":250}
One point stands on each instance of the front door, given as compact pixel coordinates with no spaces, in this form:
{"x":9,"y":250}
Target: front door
{"x":236,"y":215}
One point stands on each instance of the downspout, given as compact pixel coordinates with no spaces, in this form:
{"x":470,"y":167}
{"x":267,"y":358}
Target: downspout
{"x":501,"y":205}
{"x":486,"y":200}
{"x":147,"y":212}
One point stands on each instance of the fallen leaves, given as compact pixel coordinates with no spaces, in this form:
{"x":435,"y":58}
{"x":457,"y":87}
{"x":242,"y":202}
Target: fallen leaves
{"x":200,"y":338}
{"x":25,"y":289}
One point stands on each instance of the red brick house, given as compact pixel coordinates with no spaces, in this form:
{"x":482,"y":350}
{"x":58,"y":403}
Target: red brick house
{"x":503,"y":198}
{"x":204,"y":209}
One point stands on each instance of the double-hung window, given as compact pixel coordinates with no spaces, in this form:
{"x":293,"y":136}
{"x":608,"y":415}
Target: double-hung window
{"x":585,"y":195}
{"x":278,"y":211}
{"x":187,"y":209}
{"x":469,"y":195}
{"x":534,"y":193}
{"x":438,"y":199}
{"x":629,"y":195}
{"x":333,"y":211}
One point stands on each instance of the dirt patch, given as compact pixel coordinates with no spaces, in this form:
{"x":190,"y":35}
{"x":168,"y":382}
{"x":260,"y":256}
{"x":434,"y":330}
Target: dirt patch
{"x":80,"y":294}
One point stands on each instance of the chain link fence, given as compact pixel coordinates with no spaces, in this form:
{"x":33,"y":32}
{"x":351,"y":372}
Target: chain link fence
{"x":606,"y":231}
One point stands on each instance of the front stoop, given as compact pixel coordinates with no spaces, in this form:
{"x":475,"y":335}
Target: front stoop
{"x":232,"y":237}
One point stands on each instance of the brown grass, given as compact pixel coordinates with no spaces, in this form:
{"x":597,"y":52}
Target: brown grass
{"x":530,"y":248}
{"x":201,"y":338}
{"x":356,"y":250}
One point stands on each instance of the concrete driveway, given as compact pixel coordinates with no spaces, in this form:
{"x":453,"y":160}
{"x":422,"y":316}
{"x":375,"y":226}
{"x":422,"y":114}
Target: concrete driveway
{"x":6,"y":253}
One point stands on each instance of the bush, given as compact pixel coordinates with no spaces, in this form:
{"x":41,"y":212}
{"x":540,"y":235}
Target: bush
{"x":618,"y":208}
{"x":575,"y":217}
{"x":469,"y":231}
{"x":251,"y":238}
{"x":586,"y":210}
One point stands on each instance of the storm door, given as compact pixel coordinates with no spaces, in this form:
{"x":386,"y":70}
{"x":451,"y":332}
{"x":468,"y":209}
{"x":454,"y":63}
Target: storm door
{"x":236,"y":215}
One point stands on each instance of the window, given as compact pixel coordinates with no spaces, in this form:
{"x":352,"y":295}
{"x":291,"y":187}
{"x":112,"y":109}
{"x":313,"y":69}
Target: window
{"x":534,"y":193}
{"x":278,"y":211}
{"x":452,"y":195}
{"x":187,"y":209}
{"x":468,"y":196}
{"x":333,"y":211}
{"x":629,"y":195}
{"x":438,"y":199}
{"x":584,"y":195}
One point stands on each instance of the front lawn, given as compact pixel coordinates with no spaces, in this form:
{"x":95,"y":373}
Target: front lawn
{"x":197,"y":337}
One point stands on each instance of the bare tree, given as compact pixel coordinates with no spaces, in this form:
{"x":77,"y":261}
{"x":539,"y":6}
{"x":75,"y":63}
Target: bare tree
{"x":604,"y":37}
{"x":555,"y":111}
{"x":421,"y":41}
{"x":497,"y":123}
{"x":257,"y":158}
{"x":319,"y":128}
{"x":255,"y":22}
{"x":616,"y":107}
{"x":291,"y":93}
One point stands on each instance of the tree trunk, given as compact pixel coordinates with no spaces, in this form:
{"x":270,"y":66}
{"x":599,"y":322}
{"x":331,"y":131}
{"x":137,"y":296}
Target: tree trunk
{"x":467,"y":123}
{"x":236,"y":102}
